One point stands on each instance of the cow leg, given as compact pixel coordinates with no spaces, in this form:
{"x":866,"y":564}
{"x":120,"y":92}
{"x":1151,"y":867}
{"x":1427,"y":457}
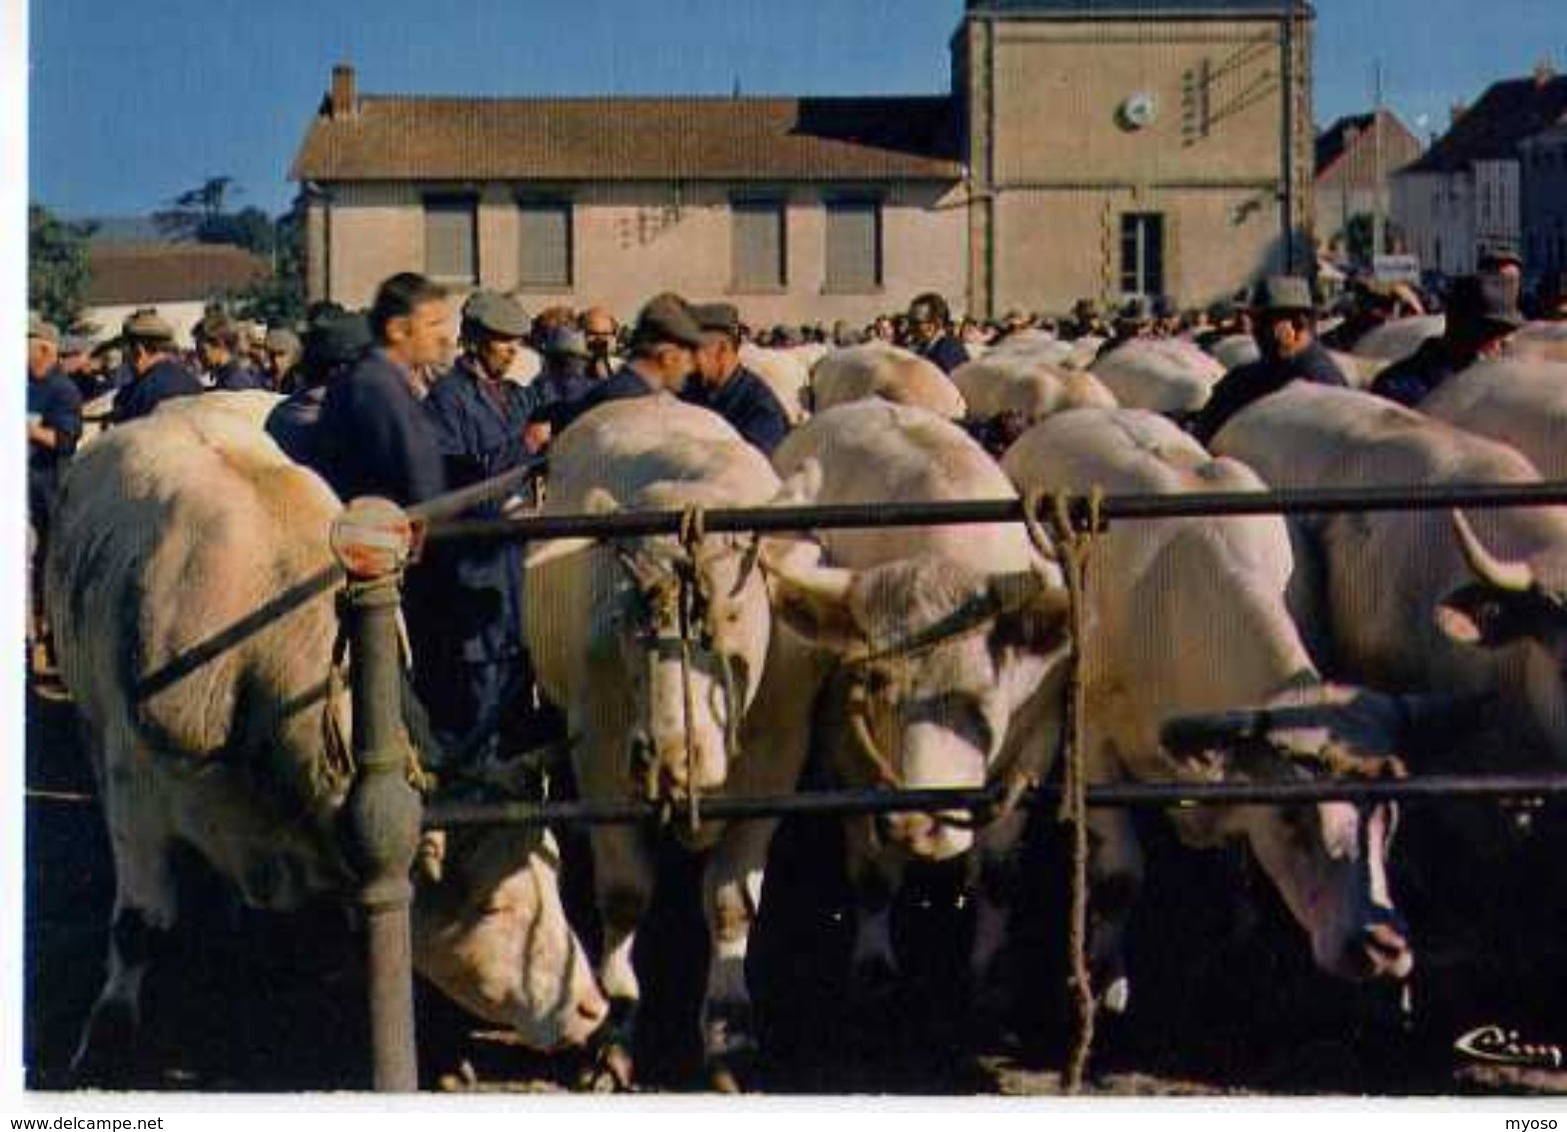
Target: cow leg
{"x":731,"y":897}
{"x":145,"y":907}
{"x":1115,"y":874}
{"x":992,"y":887}
{"x":623,"y":875}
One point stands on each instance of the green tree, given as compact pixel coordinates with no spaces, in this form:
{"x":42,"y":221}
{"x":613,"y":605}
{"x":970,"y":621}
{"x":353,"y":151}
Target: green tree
{"x":195,"y":209}
{"x":58,"y":270}
{"x":279,"y":299}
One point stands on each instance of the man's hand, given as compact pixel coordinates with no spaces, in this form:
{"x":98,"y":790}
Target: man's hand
{"x":536,"y":436}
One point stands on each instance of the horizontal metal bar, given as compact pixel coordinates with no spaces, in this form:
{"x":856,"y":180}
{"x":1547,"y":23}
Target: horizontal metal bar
{"x":1304,"y":501}
{"x":1142,"y":795}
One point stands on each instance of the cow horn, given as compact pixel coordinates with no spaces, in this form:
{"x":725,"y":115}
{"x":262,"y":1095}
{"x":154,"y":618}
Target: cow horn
{"x":1514,"y":577}
{"x":826,"y":583}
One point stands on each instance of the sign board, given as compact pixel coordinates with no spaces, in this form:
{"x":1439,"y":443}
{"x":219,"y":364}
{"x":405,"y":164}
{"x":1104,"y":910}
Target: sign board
{"x":1396,"y":268}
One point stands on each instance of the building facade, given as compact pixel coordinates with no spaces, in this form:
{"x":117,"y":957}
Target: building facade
{"x":1356,"y":159}
{"x":1466,"y":195}
{"x":1086,"y":149}
{"x":1543,"y":165}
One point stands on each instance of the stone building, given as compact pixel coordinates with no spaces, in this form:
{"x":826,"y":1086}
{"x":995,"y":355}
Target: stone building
{"x":1086,"y":147}
{"x":1542,"y":162}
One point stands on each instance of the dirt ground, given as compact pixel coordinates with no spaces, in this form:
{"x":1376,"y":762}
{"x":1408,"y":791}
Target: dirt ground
{"x":1225,"y":999}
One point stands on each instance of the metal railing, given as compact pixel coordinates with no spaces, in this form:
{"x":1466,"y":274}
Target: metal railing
{"x":385,"y":815}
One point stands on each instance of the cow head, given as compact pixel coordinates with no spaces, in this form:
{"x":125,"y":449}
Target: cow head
{"x":936,"y":658}
{"x":1328,"y":860}
{"x":692,"y":628}
{"x":490,"y":931}
{"x":1522,"y":618}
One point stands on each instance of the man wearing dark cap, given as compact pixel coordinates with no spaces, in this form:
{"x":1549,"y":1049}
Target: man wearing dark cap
{"x":332,"y":344}
{"x":727,"y":388}
{"x":54,"y":424}
{"x":663,"y":354}
{"x":930,"y":333}
{"x":281,"y":350}
{"x":1285,"y":320}
{"x":1131,"y":322}
{"x":1481,"y":317}
{"x":565,"y":374}
{"x":219,"y":340}
{"x":375,"y":436}
{"x":157,"y":374}
{"x":474,"y":668}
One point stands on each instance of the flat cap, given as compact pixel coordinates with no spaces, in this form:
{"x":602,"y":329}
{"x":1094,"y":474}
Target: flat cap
{"x":217,"y":327}
{"x":494,"y":314}
{"x":717,"y":318}
{"x":146,"y":325}
{"x":280,"y":339}
{"x":667,"y":318}
{"x":1485,"y":301}
{"x":337,"y":338}
{"x":37,"y":327}
{"x":564,"y":342}
{"x":1134,"y":310}
{"x":1283,"y":294}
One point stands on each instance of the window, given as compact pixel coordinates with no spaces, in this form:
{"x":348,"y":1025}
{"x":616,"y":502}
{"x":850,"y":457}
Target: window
{"x":544,"y":259}
{"x":451,"y":248}
{"x":853,"y":246}
{"x":1142,"y":253}
{"x":759,"y":245}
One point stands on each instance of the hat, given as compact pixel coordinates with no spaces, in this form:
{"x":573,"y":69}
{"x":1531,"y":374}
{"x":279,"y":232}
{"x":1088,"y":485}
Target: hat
{"x":280,"y":339}
{"x":217,"y":327}
{"x":717,"y":318}
{"x":1135,"y":310}
{"x":564,"y":342}
{"x":495,"y":314}
{"x":146,"y":325}
{"x":667,"y":318}
{"x":788,"y":337}
{"x":1483,"y":301}
{"x":1283,"y":294}
{"x":38,"y":328}
{"x":1492,"y":259}
{"x":337,"y":338}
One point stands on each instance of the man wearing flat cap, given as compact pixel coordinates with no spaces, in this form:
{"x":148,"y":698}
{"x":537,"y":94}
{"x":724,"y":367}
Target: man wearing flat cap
{"x":157,"y":375}
{"x":1481,"y":316}
{"x":1284,"y":319}
{"x":566,"y":373}
{"x":333,"y":342}
{"x":476,"y":669}
{"x":662,"y":356}
{"x":54,"y":425}
{"x":222,"y":347}
{"x":727,"y":388}
{"x":281,"y":352}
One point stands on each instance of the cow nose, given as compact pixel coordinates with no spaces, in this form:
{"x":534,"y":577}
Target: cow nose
{"x":913,"y":831}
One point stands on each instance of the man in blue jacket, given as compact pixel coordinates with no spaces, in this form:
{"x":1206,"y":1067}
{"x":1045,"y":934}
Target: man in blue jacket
{"x":54,"y":425}
{"x":728,"y":388}
{"x":1481,"y":316}
{"x":375,"y":436}
{"x":157,"y":375}
{"x":218,"y":346}
{"x":663,"y":355}
{"x":480,"y":681}
{"x":930,"y":333}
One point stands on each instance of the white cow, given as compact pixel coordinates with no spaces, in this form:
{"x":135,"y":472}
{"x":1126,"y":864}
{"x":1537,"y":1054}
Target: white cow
{"x":1425,"y":601}
{"x":1520,"y":402}
{"x":1164,"y":593}
{"x":1544,"y":341}
{"x":1235,"y":351}
{"x":890,"y":373}
{"x":655,"y":715}
{"x":191,"y":590}
{"x":946,"y":638}
{"x":1024,"y":384}
{"x":1163,"y":375}
{"x":1400,"y":338}
{"x":786,"y":373}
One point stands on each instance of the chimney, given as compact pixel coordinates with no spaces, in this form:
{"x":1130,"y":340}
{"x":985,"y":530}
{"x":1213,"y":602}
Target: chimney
{"x":1458,"y":111}
{"x":345,"y":97}
{"x":1544,"y":73}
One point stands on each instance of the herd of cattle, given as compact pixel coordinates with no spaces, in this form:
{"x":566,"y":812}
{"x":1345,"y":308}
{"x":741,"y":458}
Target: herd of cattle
{"x":191,"y":589}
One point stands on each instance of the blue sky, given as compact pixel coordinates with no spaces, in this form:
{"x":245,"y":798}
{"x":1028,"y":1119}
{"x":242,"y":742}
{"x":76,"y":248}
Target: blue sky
{"x":134,"y":100}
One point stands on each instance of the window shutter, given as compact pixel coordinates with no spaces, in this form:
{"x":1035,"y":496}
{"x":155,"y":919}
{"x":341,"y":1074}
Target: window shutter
{"x":545,"y":255}
{"x":450,"y":238}
{"x":758,"y":244}
{"x":853,"y":245}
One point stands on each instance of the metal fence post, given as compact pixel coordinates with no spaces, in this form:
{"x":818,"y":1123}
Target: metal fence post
{"x":382,"y":815}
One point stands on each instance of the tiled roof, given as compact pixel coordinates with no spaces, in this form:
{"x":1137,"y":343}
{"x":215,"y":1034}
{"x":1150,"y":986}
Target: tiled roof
{"x":692,"y":139}
{"x":134,"y":274}
{"x":1144,"y":9}
{"x":1506,"y":114}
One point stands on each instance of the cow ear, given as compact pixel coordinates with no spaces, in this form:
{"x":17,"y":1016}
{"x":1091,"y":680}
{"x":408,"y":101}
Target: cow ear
{"x":814,"y":603}
{"x":1488,"y":617}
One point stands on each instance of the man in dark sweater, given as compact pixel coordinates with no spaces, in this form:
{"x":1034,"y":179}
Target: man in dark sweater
{"x":157,"y":373}
{"x":728,"y":388}
{"x":1284,"y":318}
{"x":1481,"y":316}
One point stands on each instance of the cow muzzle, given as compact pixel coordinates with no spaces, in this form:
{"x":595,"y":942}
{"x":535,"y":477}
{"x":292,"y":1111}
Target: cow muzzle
{"x":929,"y":837}
{"x":1380,"y":950}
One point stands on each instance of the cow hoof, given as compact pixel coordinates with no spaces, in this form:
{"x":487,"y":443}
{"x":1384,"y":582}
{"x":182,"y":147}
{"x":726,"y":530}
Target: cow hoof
{"x":609,"y":1072}
{"x":464,"y":1080}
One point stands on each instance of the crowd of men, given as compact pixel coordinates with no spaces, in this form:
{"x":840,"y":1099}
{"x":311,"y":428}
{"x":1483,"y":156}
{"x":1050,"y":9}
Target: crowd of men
{"x":376,"y":405}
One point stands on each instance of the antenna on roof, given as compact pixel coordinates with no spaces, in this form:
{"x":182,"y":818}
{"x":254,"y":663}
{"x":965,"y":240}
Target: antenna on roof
{"x":736,"y":93}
